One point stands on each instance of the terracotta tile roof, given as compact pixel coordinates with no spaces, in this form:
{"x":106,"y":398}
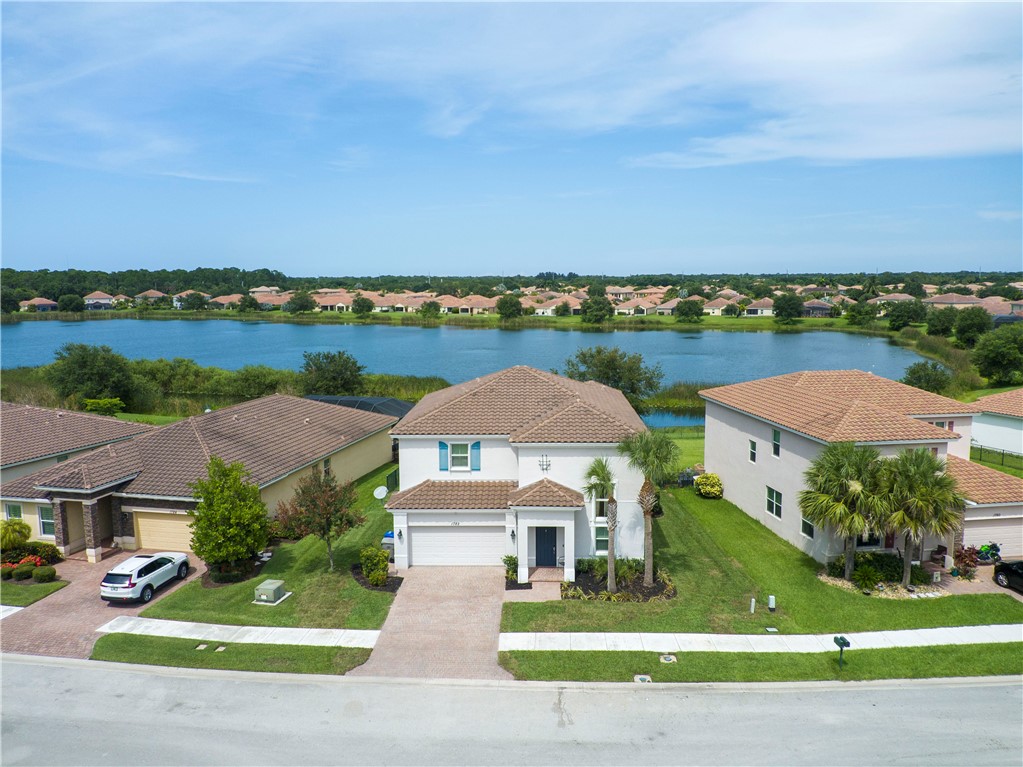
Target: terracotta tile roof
{"x":545,"y":493}
{"x":150,"y":294}
{"x":952,"y":298}
{"x":891,"y":297}
{"x":527,"y":405}
{"x":983,"y":485}
{"x":1006,"y":403}
{"x":841,"y":406}
{"x":232,"y":298}
{"x":37,"y":301}
{"x":816,"y":303}
{"x":97,"y":294}
{"x":763,"y":303}
{"x":432,"y":494}
{"x":29,"y":433}
{"x":718,"y":303}
{"x":272,"y":436}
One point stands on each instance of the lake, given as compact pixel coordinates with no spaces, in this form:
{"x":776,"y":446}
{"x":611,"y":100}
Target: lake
{"x":457,"y":354}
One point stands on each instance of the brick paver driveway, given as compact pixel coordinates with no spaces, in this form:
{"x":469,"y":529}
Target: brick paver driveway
{"x":65,"y":623}
{"x":444,"y":624}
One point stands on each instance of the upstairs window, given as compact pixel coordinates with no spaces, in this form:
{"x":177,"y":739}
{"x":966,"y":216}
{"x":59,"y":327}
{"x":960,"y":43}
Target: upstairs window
{"x":776,"y":442}
{"x":459,"y":456}
{"x":774,"y":502}
{"x":752,"y":451}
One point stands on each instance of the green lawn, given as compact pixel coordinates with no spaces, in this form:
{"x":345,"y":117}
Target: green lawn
{"x":690,"y":443}
{"x":720,"y":558}
{"x":973,"y":395}
{"x":24,"y":594}
{"x":321,"y":599}
{"x":897,"y":663}
{"x":156,"y":420}
{"x":166,"y":651}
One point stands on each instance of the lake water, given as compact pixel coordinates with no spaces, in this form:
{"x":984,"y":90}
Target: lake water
{"x":454,"y":353}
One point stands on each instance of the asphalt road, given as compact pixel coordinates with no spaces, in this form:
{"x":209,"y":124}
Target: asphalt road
{"x":58,"y":711}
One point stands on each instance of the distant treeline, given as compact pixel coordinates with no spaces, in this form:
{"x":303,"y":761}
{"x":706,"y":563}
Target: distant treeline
{"x":21,"y":285}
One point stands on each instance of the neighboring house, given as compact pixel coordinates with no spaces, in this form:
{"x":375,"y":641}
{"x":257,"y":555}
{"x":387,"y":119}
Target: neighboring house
{"x":137,"y":493}
{"x":178,"y":297}
{"x":994,"y":508}
{"x":264,"y":290}
{"x":41,"y":304}
{"x":549,"y":307}
{"x":496,"y":466}
{"x":618,"y":293}
{"x":999,"y":424}
{"x":636,"y":306}
{"x":955,"y":300}
{"x":225,"y":302}
{"x":713,"y":308}
{"x":668,"y":307}
{"x":891,"y":298}
{"x":816,"y":308}
{"x":97,"y":300}
{"x":120,"y":300}
{"x":761,"y":437}
{"x":763,"y":307}
{"x":149,"y":296}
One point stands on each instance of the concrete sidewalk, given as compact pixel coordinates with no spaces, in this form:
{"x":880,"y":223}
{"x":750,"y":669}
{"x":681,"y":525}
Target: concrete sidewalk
{"x":212,"y":632}
{"x":670,"y":643}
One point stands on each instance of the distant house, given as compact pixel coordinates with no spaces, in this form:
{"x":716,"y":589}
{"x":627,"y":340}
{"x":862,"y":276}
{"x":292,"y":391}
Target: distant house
{"x":668,"y":307}
{"x":816,"y":308}
{"x":892,"y":298}
{"x":229,"y":301}
{"x":121,"y":300}
{"x":955,"y":300}
{"x":149,"y":296}
{"x":549,"y":307}
{"x":999,"y":424}
{"x":713,"y":308}
{"x":763,"y":307}
{"x":98,"y":300}
{"x":264,"y":290}
{"x":41,"y":305}
{"x":179,"y":297}
{"x":636,"y":306}
{"x":618,"y":293}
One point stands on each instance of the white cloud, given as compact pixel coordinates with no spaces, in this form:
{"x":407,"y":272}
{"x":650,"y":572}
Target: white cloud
{"x":1000,"y":215}
{"x":351,"y":158}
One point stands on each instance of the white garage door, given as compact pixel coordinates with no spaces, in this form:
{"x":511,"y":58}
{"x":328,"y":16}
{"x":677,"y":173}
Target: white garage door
{"x":168,"y":532}
{"x":463,"y":545}
{"x":1007,"y":533}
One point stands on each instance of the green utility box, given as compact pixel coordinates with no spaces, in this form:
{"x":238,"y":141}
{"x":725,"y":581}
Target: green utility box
{"x":270,"y":591}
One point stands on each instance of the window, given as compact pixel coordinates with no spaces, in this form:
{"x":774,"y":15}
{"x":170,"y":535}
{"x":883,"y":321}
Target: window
{"x":459,"y":456}
{"x":46,"y":520}
{"x":940,"y":424}
{"x":776,"y":442}
{"x":752,"y":451}
{"x":326,"y":467}
{"x":600,"y":508}
{"x":600,"y":540}
{"x":13,"y":510}
{"x":868,"y":541}
{"x":806,"y":528}
{"x":774,"y":502}
{"x":951,"y":425}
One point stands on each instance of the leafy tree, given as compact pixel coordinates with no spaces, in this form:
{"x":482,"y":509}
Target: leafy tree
{"x":430,"y":309}
{"x":904,"y":313}
{"x":509,"y":307}
{"x":301,"y":301}
{"x":971,"y":324}
{"x":788,"y":307}
{"x":362,"y":306}
{"x":563,"y":310}
{"x":836,"y":311}
{"x":617,"y":369}
{"x":688,"y":311}
{"x":331,"y":373}
{"x":249,"y":303}
{"x":14,"y":532}
{"x":920,"y":498}
{"x":600,"y":483}
{"x":8,"y":303}
{"x":671,"y":293}
{"x":596,"y":310}
{"x":90,"y":372}
{"x":597,"y":289}
{"x":999,"y":354}
{"x":111,"y":406}
{"x":195,"y":302}
{"x":71,"y":302}
{"x":929,"y":376}
{"x":843,"y":493}
{"x":940,"y":322}
{"x":230,"y":522}
{"x":323,"y":508}
{"x":732,"y":310}
{"x":914,"y":288}
{"x":656,"y":455}
{"x":861,"y":313}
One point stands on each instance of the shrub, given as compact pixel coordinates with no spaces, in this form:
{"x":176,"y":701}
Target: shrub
{"x":23,"y":572}
{"x":14,"y":532}
{"x":6,"y":571}
{"x":511,"y":568}
{"x":866,"y":577}
{"x":586,"y":565}
{"x":47,"y":552}
{"x":888,"y":568}
{"x":374,"y":561}
{"x":32,"y":559}
{"x":628,"y":569}
{"x":709,"y":485}
{"x":966,"y":561}
{"x":230,"y":576}
{"x":288,"y":523}
{"x":44,"y":574}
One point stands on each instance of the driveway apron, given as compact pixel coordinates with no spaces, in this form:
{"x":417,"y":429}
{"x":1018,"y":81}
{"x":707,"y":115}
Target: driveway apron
{"x":444,"y":624}
{"x":64,"y":624}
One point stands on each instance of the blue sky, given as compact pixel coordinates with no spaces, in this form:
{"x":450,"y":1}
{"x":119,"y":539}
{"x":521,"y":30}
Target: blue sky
{"x":499,"y":139}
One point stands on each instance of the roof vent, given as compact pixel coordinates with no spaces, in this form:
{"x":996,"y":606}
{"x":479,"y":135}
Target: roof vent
{"x":306,"y":421}
{"x":234,"y":417}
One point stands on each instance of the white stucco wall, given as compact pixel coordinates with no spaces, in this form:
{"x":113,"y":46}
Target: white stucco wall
{"x":961,"y":425}
{"x":419,"y":458}
{"x":1001,"y":432}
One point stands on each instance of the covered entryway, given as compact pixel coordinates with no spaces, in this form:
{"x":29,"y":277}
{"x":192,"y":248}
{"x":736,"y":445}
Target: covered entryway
{"x":163,"y":531}
{"x":546,"y":546}
{"x":455,"y":544}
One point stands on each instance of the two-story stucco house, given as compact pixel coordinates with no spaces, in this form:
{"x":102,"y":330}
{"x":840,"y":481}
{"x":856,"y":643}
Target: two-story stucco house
{"x":999,"y":424}
{"x":496,"y":466}
{"x":761,"y":437}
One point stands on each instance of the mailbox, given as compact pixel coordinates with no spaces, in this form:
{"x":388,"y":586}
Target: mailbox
{"x":843,"y":645}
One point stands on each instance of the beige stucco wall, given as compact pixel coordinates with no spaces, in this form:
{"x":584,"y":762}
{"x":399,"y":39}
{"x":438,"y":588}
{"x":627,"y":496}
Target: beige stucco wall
{"x":346,"y":464}
{"x":29,"y":515}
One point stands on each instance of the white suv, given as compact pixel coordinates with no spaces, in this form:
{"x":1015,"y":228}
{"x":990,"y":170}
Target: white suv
{"x":138,"y":577}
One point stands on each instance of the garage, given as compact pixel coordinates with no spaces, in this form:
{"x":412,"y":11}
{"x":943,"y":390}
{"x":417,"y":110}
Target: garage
{"x":164,"y":531}
{"x":456,"y":545}
{"x":1006,"y":532}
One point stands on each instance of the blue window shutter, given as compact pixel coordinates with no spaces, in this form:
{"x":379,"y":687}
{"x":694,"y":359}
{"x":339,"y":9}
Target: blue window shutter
{"x":474,"y":457}
{"x":443,"y":455}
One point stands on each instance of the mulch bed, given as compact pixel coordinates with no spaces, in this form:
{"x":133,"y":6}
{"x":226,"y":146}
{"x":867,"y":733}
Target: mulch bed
{"x":589,"y":583}
{"x":510,"y":585}
{"x":392,"y":585}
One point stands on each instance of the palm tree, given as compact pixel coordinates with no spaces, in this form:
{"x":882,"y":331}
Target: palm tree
{"x":655,"y":454}
{"x":842,"y":492}
{"x":920,"y":498}
{"x":600,"y":483}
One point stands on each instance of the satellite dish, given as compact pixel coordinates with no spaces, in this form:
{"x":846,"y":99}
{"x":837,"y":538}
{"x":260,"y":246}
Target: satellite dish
{"x":380,"y":493}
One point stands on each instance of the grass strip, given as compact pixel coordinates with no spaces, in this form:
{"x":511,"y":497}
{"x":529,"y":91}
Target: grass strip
{"x":859,"y":665}
{"x":171,"y":651}
{"x":22,"y":595}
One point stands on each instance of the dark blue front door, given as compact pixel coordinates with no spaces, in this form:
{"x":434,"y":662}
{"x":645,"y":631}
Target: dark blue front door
{"x":546,"y":546}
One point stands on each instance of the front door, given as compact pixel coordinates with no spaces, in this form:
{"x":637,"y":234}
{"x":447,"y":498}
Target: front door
{"x":546,"y":547}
